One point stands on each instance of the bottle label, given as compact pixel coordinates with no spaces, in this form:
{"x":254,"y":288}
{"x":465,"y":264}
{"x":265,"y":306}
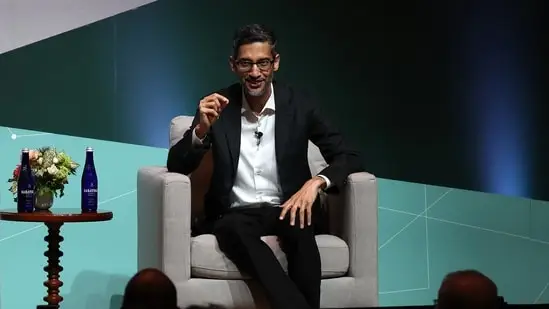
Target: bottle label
{"x":25,"y":200}
{"x":89,"y":199}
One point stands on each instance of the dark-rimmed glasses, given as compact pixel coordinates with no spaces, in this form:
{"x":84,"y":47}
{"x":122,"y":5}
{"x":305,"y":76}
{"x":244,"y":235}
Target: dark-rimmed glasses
{"x":247,"y":65}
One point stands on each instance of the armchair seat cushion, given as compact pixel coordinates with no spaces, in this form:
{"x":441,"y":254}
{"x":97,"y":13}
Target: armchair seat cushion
{"x":207,"y":260}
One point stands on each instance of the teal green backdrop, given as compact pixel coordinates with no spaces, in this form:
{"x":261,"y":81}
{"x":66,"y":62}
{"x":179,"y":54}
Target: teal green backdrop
{"x":115,"y":84}
{"x":424,"y":232}
{"x":399,"y":78}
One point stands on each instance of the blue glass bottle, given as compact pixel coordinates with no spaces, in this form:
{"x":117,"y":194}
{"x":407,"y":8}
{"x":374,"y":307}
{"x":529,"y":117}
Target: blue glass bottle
{"x":89,"y":184}
{"x":26,"y":185}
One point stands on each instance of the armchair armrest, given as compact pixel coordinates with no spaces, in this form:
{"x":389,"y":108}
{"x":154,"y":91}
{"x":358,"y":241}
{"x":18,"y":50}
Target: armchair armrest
{"x":360,"y":224}
{"x":354,"y":215}
{"x":164,"y":222}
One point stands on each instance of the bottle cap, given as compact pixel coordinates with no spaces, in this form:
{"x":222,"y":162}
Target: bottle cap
{"x":25,"y":150}
{"x":89,"y":149}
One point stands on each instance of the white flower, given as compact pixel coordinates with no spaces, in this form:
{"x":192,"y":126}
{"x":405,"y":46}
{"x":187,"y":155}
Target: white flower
{"x":55,"y":160}
{"x":52,"y":170}
{"x":40,"y":160}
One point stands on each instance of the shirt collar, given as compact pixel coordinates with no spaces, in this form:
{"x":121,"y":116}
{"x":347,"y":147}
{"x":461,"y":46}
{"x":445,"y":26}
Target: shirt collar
{"x":269,"y":106}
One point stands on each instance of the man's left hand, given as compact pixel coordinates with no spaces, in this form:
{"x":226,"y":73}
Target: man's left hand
{"x":301,"y":203}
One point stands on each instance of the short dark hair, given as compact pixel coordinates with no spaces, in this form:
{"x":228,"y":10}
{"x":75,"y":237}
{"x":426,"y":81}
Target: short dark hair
{"x":150,"y":288}
{"x":449,"y":297}
{"x":253,"y":33}
{"x":471,"y":273}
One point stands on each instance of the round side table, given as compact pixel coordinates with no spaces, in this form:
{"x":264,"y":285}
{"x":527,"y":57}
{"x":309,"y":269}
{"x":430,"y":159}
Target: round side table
{"x":54,"y":219}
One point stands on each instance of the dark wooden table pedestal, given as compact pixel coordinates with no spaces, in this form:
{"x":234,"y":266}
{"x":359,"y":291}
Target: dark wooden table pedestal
{"x":53,"y":268}
{"x":54,"y":220}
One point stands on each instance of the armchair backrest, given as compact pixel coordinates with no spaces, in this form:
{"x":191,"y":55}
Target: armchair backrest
{"x":200,"y":178}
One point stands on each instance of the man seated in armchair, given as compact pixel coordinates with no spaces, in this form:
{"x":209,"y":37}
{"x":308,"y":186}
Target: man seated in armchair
{"x":258,"y":131}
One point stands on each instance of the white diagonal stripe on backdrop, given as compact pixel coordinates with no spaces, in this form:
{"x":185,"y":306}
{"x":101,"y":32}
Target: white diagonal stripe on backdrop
{"x":469,"y":226}
{"x":420,"y":215}
{"x":541,"y":293}
{"x":403,"y":291}
{"x":23,"y":22}
{"x":427,"y":259}
{"x":41,"y":225}
{"x":21,"y":233}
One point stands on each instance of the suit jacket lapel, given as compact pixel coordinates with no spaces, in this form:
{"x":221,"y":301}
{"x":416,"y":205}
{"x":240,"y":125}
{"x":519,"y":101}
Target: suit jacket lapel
{"x":231,"y":117}
{"x":283,"y":120}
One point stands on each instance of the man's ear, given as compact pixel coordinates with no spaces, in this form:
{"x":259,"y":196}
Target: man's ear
{"x":231,"y":64}
{"x":276,"y":63}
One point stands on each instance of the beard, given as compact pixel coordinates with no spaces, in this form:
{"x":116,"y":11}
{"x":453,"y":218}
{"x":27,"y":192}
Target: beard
{"x":257,"y":91}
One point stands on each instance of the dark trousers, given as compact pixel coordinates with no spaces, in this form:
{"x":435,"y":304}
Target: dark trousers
{"x":238,"y":234}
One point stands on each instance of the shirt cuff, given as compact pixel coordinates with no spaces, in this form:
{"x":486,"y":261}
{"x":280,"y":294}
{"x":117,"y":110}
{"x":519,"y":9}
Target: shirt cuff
{"x":328,"y":183}
{"x":196,"y":140}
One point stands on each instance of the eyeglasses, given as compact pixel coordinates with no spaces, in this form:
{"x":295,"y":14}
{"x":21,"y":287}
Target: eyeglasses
{"x":246,"y":65}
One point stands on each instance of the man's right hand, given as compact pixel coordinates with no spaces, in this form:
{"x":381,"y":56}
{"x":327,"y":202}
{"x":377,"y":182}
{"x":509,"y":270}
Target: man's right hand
{"x":209,"y":109}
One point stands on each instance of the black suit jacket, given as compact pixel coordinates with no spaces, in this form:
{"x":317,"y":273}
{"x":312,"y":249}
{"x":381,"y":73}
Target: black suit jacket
{"x":297,"y":121}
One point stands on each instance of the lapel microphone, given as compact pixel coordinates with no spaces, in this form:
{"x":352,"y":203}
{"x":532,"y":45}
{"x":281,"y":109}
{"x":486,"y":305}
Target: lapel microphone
{"x":258,"y":134}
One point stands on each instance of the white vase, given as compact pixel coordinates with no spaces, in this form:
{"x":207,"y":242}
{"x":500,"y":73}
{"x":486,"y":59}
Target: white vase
{"x":44,"y":201}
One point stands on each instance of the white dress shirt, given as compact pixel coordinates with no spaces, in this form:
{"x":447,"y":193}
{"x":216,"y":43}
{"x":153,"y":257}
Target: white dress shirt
{"x":257,"y":175}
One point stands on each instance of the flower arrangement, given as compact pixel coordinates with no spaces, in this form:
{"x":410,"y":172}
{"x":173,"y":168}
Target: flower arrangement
{"x":51,"y":169}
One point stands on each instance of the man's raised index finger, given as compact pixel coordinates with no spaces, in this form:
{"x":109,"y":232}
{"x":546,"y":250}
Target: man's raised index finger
{"x":223,"y":100}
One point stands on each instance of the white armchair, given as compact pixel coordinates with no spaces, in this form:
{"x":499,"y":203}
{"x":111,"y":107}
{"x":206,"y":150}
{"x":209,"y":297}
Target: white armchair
{"x":167,"y":203}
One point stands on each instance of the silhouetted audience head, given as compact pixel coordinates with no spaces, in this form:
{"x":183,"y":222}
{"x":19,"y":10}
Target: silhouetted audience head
{"x":150,"y":289}
{"x":467,"y":289}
